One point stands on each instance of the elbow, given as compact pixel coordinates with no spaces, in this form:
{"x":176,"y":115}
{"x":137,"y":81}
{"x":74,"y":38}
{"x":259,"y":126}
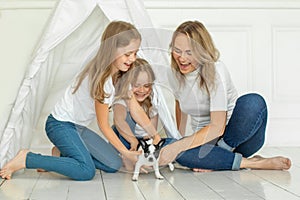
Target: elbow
{"x":218,"y":131}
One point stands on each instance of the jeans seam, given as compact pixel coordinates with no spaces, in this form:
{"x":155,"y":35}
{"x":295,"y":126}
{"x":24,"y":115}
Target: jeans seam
{"x":259,"y":118}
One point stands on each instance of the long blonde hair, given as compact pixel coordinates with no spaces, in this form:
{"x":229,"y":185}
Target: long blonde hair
{"x":130,"y":78}
{"x":117,"y":34}
{"x":203,"y":50}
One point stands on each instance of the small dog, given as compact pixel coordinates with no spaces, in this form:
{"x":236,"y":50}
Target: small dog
{"x":149,"y":157}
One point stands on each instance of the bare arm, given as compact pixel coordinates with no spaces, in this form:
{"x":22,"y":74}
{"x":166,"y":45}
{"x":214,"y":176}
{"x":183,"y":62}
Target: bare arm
{"x":181,"y":119}
{"x":154,"y":122}
{"x":214,"y":130}
{"x":139,"y":115}
{"x":120,"y":114}
{"x":102,"y":113}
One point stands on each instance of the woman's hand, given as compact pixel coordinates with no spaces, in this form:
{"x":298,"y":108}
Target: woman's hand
{"x":168,"y":154}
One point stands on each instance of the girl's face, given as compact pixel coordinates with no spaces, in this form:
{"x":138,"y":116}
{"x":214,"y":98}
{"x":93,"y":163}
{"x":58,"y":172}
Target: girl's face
{"x":182,"y":54}
{"x":125,"y":56}
{"x":142,"y":87}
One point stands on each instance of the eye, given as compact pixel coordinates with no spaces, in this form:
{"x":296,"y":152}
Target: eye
{"x":189,"y":52}
{"x":148,"y":85}
{"x":176,"y":50}
{"x":156,"y":154}
{"x":130,"y":53}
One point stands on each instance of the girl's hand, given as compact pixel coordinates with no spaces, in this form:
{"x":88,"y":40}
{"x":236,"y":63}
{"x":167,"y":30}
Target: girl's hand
{"x":131,"y":155}
{"x":133,"y":144}
{"x":129,"y":160}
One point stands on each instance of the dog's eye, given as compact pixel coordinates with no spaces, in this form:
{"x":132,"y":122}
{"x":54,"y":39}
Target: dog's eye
{"x":146,"y":155}
{"x":156,"y":154}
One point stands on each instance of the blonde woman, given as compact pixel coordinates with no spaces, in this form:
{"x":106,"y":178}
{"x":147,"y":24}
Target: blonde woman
{"x":229,"y":128}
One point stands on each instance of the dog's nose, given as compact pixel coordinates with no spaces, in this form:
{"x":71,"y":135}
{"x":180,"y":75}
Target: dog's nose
{"x":150,"y":159}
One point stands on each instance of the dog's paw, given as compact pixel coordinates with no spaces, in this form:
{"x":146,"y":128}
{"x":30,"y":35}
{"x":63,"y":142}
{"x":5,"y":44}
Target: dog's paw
{"x":171,"y":167}
{"x":134,"y":178}
{"x":160,"y":177}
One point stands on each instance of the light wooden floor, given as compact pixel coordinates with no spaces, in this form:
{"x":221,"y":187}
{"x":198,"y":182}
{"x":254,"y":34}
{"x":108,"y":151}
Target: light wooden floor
{"x":180,"y":184}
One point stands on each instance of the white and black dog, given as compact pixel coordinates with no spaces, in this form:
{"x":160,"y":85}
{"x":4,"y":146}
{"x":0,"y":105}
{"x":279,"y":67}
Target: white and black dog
{"x":149,"y":157}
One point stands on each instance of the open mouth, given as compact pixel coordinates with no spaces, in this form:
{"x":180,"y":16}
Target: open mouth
{"x":184,"y":66}
{"x":140,"y":94}
{"x":127,"y":65}
{"x":140,"y":97}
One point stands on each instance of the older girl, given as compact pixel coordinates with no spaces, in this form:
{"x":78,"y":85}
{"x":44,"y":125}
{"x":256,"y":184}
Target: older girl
{"x":88,"y":98}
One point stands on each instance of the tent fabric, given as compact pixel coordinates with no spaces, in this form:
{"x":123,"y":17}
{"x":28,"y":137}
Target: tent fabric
{"x":69,"y":41}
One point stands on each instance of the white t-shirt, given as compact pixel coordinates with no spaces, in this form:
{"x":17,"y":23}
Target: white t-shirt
{"x":196,"y":102}
{"x":139,"y":131}
{"x":79,"y":107}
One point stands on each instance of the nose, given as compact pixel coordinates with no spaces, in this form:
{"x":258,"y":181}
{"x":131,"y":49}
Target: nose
{"x":141,"y":88}
{"x":182,"y":57}
{"x":132,"y":57}
{"x":150,"y":159}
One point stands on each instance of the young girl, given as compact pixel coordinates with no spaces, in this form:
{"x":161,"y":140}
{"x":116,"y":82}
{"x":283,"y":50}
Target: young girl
{"x":139,"y":81}
{"x":135,"y":84}
{"x":229,"y":128}
{"x":88,"y":98}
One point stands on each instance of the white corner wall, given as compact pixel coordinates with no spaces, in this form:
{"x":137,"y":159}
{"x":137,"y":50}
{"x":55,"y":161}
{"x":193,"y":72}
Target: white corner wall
{"x":259,"y":42}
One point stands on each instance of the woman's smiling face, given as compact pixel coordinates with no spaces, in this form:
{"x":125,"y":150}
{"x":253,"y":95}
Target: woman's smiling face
{"x":182,"y":54}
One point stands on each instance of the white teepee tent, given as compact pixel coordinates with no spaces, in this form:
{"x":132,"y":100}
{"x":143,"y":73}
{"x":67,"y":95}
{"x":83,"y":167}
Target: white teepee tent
{"x":69,"y":41}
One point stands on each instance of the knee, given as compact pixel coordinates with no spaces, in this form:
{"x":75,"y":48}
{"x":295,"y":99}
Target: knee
{"x":254,"y":101}
{"x":86,"y":174}
{"x":114,"y":166}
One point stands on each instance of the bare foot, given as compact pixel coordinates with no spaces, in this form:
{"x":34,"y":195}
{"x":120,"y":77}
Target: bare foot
{"x":17,"y":163}
{"x":274,"y":163}
{"x":202,"y":170}
{"x":54,"y":152}
{"x":256,"y":158}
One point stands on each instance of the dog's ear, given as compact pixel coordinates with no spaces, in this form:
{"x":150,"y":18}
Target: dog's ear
{"x":142,"y":143}
{"x":160,"y":143}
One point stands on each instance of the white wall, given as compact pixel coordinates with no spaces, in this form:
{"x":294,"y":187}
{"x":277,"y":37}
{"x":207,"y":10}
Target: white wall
{"x":259,"y":42}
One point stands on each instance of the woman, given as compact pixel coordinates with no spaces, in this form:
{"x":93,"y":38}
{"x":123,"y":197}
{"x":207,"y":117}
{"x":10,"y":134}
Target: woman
{"x":228,"y":128}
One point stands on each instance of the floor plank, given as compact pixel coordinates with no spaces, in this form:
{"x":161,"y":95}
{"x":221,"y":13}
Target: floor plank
{"x":120,"y":186}
{"x":20,"y":186}
{"x":225,"y":186}
{"x":153,"y":188}
{"x":189,"y":186}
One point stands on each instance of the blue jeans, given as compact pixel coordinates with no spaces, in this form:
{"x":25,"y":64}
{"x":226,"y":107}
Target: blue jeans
{"x":244,"y":135}
{"x":77,"y":159}
{"x":245,"y":131}
{"x":199,"y":157}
